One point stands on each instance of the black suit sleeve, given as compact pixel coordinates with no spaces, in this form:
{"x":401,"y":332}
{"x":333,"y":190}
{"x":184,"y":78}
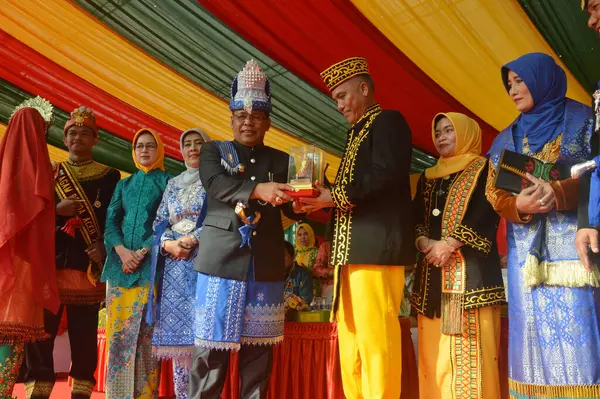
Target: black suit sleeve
{"x":217,"y":182}
{"x":391,"y":154}
{"x":584,"y":188}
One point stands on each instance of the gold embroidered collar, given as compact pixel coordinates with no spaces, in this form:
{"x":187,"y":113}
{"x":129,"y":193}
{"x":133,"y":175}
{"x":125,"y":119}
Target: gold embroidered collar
{"x":368,"y":112}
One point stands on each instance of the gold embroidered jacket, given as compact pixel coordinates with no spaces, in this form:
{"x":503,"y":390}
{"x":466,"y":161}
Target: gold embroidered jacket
{"x":483,"y":283}
{"x":98,"y":182}
{"x":371,"y":193}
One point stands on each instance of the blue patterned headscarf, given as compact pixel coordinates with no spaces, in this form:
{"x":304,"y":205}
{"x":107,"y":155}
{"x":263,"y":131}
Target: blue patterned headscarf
{"x":547,"y":84}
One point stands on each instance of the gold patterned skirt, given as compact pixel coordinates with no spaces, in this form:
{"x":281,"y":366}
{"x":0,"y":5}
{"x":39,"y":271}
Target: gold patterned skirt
{"x":463,"y":365}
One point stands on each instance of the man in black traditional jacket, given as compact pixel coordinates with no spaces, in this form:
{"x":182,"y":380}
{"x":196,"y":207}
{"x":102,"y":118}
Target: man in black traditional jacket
{"x":240,"y":257}
{"x":84,"y":189}
{"x":587,"y":238}
{"x":373,"y":233}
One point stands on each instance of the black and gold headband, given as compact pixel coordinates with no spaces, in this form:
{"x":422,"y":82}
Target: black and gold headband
{"x":340,"y":72}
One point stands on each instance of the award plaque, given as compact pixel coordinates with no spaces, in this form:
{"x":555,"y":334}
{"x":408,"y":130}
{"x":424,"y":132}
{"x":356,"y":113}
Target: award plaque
{"x":306,"y":166}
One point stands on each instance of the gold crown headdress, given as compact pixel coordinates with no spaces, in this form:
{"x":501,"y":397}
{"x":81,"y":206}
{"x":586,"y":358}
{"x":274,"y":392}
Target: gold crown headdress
{"x":43,"y":106}
{"x":339,"y":72}
{"x":82,"y":116}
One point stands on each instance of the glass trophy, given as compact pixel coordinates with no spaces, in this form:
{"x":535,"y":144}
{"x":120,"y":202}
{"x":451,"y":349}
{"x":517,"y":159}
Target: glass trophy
{"x":306,"y":166}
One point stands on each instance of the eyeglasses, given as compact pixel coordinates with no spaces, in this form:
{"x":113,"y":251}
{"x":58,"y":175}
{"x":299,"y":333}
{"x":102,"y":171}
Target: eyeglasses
{"x":241,"y":118}
{"x":148,"y":146}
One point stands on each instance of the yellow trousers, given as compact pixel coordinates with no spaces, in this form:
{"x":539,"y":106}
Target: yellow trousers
{"x":460,"y":366}
{"x":369,"y":331}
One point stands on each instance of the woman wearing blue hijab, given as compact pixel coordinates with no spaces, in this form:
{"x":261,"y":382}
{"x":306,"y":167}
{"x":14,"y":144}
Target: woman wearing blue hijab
{"x":553,"y":300}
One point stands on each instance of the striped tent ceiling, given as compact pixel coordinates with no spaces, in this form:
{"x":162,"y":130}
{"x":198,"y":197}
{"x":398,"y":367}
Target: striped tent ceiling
{"x":169,"y":64}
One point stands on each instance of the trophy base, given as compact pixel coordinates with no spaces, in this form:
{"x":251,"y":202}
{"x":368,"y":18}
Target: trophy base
{"x":305,"y":192}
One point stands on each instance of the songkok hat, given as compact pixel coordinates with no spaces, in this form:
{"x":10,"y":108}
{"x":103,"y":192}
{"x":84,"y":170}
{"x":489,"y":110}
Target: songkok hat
{"x":251,"y":90}
{"x":43,"y":106}
{"x":340,"y":72}
{"x":82,"y":116}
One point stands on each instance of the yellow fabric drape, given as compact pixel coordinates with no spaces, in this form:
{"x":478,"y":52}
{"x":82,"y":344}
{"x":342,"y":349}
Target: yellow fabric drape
{"x":57,"y":154}
{"x":461,"y":45}
{"x":72,"y":38}
{"x":286,"y":222}
{"x":414,"y":181}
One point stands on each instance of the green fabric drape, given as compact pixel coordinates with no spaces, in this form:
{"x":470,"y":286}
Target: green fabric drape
{"x":564,"y":26}
{"x":186,"y":37}
{"x":111,"y":149}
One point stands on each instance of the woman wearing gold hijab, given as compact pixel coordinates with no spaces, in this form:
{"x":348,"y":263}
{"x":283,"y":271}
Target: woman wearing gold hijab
{"x":458,"y":285}
{"x":306,"y":250}
{"x":306,"y":253}
{"x":132,"y":373}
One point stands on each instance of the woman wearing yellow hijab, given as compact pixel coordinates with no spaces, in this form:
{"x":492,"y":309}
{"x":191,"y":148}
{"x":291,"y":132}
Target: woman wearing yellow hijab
{"x":132,"y":372}
{"x":306,"y":252}
{"x":458,"y":284}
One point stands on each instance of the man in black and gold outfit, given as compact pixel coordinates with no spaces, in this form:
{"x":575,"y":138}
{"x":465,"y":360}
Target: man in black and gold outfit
{"x":83,"y":189}
{"x":373,"y":233}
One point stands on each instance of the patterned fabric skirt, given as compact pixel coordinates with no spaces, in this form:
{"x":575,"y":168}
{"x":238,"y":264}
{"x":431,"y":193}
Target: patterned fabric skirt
{"x":554,"y":338}
{"x":230,"y":312}
{"x":132,"y":372}
{"x":463,"y":365}
{"x":11,"y":357}
{"x":174,"y":328}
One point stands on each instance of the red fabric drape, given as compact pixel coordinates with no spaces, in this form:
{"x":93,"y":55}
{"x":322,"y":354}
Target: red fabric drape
{"x":501,"y":238}
{"x":165,"y":385}
{"x":31,"y":71}
{"x":308,"y":36}
{"x":62,"y":327}
{"x":27,"y":207}
{"x":307,"y":366}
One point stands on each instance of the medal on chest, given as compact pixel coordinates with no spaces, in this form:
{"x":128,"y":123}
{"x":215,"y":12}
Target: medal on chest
{"x":97,"y":203}
{"x":438,"y":193}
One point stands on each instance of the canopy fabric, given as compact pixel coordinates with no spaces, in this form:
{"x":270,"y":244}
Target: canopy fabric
{"x":463,"y":44}
{"x":36,"y":74}
{"x":76,"y":41}
{"x":56,"y":154}
{"x":168,"y":65}
{"x":564,"y":25}
{"x":308,"y":36}
{"x":111,"y":150}
{"x":186,"y":37}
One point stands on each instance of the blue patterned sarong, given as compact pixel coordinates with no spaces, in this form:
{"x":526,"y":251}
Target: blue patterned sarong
{"x":554,"y":336}
{"x":230,"y":313}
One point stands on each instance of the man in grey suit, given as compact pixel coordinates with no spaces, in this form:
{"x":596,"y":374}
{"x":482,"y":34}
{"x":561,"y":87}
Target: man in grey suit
{"x":240,"y":260}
